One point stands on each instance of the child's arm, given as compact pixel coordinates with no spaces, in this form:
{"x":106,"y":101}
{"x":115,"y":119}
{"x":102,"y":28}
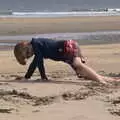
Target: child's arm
{"x":37,"y":62}
{"x":42,"y":70}
{"x":31,"y":69}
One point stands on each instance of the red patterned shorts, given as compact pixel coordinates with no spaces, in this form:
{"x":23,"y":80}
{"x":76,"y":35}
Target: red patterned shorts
{"x":71,"y":48}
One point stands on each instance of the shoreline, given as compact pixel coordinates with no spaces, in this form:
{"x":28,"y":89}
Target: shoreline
{"x":81,"y":43}
{"x":84,"y":38}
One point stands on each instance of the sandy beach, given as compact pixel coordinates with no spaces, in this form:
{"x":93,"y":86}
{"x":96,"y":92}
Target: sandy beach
{"x":64,"y":97}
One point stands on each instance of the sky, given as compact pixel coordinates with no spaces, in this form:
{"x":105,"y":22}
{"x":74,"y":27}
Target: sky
{"x":56,"y":4}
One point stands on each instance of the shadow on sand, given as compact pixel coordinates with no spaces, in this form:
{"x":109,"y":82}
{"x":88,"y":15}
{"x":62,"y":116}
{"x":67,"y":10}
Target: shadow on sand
{"x":50,"y":81}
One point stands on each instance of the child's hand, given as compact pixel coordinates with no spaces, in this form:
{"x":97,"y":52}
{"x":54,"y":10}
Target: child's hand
{"x":21,"y":78}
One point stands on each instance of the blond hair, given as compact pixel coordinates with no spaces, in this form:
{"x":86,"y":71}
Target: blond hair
{"x":19,"y":50}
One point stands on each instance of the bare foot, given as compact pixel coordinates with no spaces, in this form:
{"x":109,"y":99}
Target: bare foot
{"x":103,"y":82}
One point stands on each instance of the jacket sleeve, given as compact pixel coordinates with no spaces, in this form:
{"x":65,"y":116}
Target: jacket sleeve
{"x":31,"y":68}
{"x":41,"y":68}
{"x":37,"y":62}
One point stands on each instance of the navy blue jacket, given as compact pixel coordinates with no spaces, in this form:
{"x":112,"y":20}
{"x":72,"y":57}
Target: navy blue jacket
{"x":45,"y":48}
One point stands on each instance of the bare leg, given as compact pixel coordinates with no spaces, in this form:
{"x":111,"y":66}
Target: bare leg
{"x":87,"y":72}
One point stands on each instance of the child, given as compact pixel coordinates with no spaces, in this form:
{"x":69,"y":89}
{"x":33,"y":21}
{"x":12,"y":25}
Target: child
{"x":67,"y":51}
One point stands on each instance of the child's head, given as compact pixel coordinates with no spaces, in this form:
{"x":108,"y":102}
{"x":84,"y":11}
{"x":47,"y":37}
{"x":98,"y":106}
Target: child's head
{"x":23,"y":51}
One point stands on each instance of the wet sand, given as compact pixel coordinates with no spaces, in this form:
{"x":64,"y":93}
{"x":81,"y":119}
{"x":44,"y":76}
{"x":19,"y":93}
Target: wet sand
{"x":13,"y":26}
{"x":64,"y":96}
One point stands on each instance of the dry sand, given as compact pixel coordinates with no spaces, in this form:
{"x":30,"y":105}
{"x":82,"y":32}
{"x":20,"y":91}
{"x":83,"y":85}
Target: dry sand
{"x":65,"y":97}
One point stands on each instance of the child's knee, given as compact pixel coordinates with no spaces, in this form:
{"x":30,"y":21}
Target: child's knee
{"x":77,"y":62}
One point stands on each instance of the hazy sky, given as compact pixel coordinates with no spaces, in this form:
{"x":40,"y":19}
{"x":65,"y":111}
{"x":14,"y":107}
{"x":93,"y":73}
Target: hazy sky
{"x":56,"y":4}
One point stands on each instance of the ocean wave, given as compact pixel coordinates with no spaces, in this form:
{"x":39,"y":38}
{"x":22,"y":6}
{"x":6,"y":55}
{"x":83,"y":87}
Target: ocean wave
{"x":74,"y":12}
